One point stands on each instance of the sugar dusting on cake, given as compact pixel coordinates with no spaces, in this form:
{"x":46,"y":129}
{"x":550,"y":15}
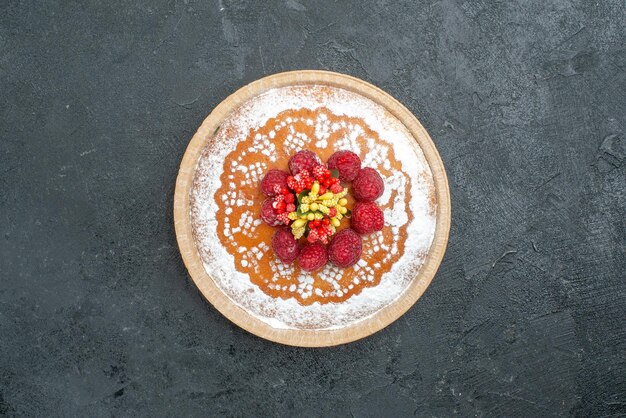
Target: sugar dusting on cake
{"x":417,"y":217}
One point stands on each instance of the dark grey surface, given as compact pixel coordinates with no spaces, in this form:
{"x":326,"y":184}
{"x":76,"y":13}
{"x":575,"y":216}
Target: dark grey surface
{"x":526,"y":103}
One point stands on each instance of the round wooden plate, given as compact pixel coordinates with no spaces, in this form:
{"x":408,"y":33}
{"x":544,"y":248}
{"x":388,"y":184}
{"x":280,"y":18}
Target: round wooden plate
{"x":304,"y":337}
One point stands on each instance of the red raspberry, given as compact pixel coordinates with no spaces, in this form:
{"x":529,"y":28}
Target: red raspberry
{"x":367,"y":218}
{"x":290,"y":198}
{"x":300,"y":181}
{"x":313,"y":236}
{"x":290,"y":207}
{"x":273,"y":178}
{"x":283,"y":218}
{"x":268,"y":215}
{"x":319,"y":171}
{"x":368,"y":185}
{"x":347,"y":163}
{"x":285,"y":245}
{"x":279,"y":206}
{"x":292,"y":183}
{"x":303,"y":160}
{"x":345,"y":248}
{"x":335,"y":188}
{"x":332,"y":212}
{"x":312,"y":257}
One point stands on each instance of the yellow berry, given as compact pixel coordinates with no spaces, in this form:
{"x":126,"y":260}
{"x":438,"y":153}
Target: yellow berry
{"x":326,"y":196}
{"x":342,"y":209}
{"x":310,"y":216}
{"x":335,"y":222}
{"x":304,"y":207}
{"x":293,"y":216}
{"x":314,"y":206}
{"x":298,"y":223}
{"x":319,"y":215}
{"x":298,"y":232}
{"x":315,"y":188}
{"x":343,"y":201}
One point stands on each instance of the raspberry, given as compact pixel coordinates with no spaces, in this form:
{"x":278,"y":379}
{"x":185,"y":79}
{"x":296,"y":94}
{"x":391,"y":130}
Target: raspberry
{"x":267,"y":213}
{"x":313,"y":236}
{"x":300,"y":181}
{"x":368,"y":185}
{"x":279,"y":207}
{"x":273,"y":178}
{"x":290,"y":207}
{"x":283,"y":218}
{"x":335,"y":188}
{"x":367,"y":218}
{"x":290,"y":198}
{"x":347,"y":163}
{"x":345,"y":248}
{"x":292,"y":183}
{"x":303,"y":160}
{"x":319,"y":171}
{"x":285,"y":245}
{"x":312,"y":257}
{"x":332,"y":212}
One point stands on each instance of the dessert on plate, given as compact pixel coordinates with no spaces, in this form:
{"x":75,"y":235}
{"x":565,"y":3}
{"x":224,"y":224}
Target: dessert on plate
{"x":312,"y":207}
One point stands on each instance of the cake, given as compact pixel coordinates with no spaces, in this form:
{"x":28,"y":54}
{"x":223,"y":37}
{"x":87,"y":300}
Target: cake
{"x":235,"y":245}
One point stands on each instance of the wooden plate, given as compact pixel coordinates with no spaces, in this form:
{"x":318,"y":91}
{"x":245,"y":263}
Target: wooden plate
{"x":303,"y":337}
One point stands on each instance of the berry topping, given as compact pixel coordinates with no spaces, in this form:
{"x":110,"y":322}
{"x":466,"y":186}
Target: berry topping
{"x":320,"y":172}
{"x":312,"y":256}
{"x":347,"y":163}
{"x":272,"y":179}
{"x":268,"y":215}
{"x":313,"y":236}
{"x":367,"y":218}
{"x":336,"y":188}
{"x":368,"y":185}
{"x":303,"y":160}
{"x":284,"y":218}
{"x":312,"y":203}
{"x":300,"y":181}
{"x":285,"y":245}
{"x":279,"y":206}
{"x":345,"y":248}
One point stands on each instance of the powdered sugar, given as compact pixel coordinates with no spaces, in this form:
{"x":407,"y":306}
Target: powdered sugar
{"x":289,"y":313}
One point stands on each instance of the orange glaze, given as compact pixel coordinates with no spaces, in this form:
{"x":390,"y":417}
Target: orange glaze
{"x":260,"y":272}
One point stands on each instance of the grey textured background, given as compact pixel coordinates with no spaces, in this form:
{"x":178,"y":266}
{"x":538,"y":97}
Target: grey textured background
{"x":526,"y":102}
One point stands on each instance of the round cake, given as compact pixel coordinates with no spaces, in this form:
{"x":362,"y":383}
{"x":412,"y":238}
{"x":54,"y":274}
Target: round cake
{"x":226,"y":202}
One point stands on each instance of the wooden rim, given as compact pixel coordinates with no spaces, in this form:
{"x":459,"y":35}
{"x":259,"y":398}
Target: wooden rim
{"x":297,"y":337}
